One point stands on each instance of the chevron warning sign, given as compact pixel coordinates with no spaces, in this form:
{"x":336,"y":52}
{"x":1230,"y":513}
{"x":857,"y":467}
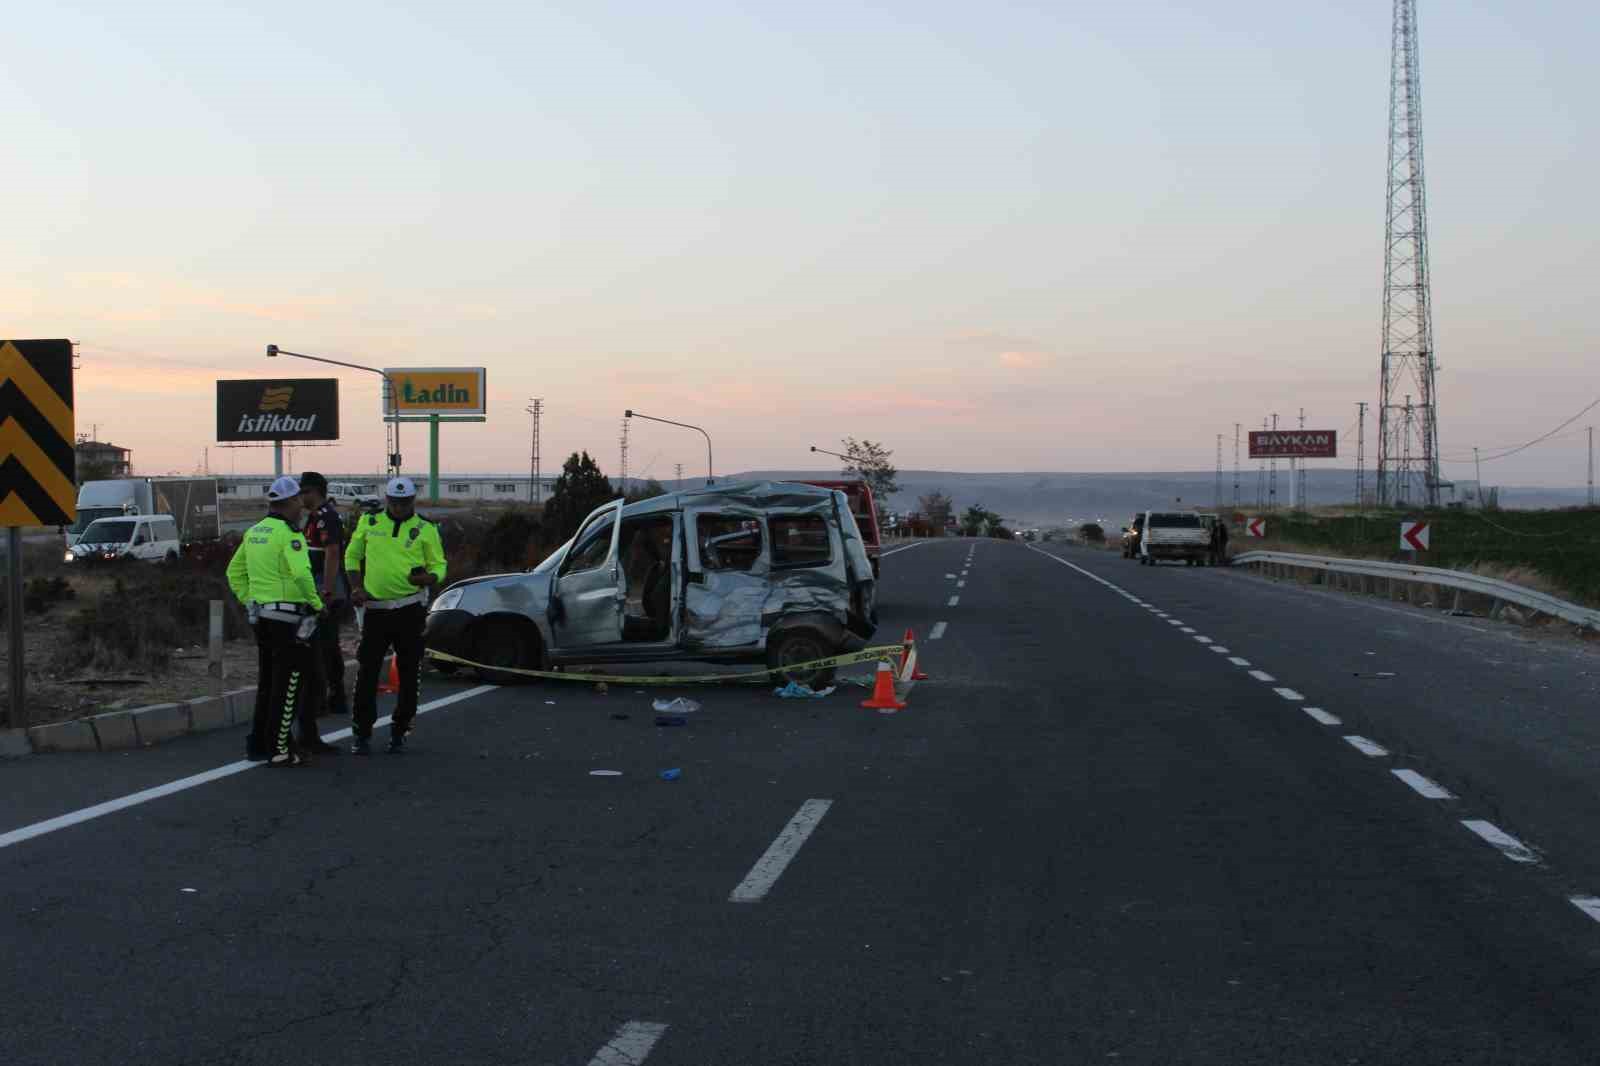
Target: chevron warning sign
{"x":37,"y":455}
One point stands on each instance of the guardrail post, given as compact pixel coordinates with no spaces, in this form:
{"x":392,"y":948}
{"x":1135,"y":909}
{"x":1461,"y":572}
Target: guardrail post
{"x":214,"y":664}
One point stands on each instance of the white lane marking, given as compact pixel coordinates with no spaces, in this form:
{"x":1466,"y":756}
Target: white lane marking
{"x":903,"y":548}
{"x":1322,"y":716}
{"x":1160,"y":614}
{"x":1220,"y":648}
{"x":1202,"y":640}
{"x":1263,"y":676}
{"x":765,"y":873}
{"x":961,"y":584}
{"x":1370,"y":748}
{"x":1509,"y":846}
{"x":1422,"y":786}
{"x":953,"y":601}
{"x":949,"y":577}
{"x":1188,"y":629}
{"x":937,"y":631}
{"x":1589,"y":905}
{"x":1235,"y":660}
{"x":631,"y":1046}
{"x":1289,"y":694}
{"x":183,"y":784}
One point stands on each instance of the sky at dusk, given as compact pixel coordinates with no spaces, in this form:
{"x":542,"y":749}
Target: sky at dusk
{"x":1044,"y":236}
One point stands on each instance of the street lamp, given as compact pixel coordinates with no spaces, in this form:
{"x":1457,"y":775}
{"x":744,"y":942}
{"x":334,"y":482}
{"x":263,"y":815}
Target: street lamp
{"x":710,"y":478}
{"x":388,"y":383}
{"x":836,"y":455}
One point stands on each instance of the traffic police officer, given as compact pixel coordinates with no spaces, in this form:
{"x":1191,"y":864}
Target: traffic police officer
{"x":271,"y":575}
{"x":394,"y":558}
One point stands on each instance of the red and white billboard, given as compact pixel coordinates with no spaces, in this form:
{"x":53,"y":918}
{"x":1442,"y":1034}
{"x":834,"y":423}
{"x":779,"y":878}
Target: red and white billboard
{"x":1294,"y":444}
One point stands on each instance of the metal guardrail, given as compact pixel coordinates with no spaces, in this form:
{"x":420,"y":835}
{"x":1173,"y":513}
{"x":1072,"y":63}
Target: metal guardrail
{"x":1501,"y":591}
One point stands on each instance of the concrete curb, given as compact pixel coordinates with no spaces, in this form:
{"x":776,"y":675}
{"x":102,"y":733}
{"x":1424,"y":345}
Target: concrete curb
{"x":137,"y":727}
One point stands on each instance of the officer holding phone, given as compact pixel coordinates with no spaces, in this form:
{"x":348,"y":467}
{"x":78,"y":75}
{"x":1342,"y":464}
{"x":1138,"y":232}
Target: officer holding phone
{"x":394,"y":558}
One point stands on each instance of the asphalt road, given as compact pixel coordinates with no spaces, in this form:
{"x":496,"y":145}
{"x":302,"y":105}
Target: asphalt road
{"x":1090,"y":838}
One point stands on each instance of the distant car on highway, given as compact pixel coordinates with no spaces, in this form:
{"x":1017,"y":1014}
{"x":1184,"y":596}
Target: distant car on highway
{"x":773,"y":571}
{"x":151,"y":538}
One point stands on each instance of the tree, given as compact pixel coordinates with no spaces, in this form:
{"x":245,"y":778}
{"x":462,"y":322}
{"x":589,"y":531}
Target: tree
{"x":870,"y":462}
{"x":650,"y":491}
{"x":936,"y":508}
{"x":979,"y":521}
{"x":580,"y":489}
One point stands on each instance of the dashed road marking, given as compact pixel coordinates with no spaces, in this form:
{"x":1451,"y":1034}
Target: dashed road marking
{"x":1322,"y":716}
{"x":1174,"y":622}
{"x":937,"y":631}
{"x":1188,"y":629}
{"x":1589,"y":905}
{"x":1221,"y":650}
{"x":961,"y":584}
{"x":183,"y":784}
{"x":1289,"y":694}
{"x":631,"y":1046}
{"x":765,"y":873}
{"x":1422,"y":786}
{"x":1239,"y":662}
{"x":1262,"y":676}
{"x":1202,"y":640}
{"x":1509,"y":846}
{"x":953,"y":601}
{"x":1369,"y":748}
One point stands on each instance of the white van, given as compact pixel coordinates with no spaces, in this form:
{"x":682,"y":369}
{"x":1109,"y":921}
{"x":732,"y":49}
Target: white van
{"x":352,"y":494}
{"x":151,"y":538}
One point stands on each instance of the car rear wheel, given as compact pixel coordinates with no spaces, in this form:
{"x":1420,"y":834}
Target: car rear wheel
{"x":504,"y":645}
{"x":800,"y":646}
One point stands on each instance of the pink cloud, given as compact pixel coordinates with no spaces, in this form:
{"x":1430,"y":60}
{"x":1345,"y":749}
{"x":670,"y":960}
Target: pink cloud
{"x":1023,"y":360}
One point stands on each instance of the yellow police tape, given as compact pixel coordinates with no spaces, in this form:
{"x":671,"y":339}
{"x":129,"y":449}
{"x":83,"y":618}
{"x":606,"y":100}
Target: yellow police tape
{"x":867,"y":655}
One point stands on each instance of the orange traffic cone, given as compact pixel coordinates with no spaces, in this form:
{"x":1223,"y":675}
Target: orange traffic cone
{"x":883,"y":697}
{"x":390,"y":683}
{"x":909,"y":670}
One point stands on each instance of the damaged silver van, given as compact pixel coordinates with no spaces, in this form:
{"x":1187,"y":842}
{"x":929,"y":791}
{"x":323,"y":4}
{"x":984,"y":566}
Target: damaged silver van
{"x":772,"y":572}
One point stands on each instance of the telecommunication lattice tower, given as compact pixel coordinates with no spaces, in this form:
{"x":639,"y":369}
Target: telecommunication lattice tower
{"x":1408,"y":440}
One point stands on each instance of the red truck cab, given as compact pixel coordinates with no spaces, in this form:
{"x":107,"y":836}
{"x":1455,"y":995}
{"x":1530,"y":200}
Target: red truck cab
{"x":865,"y":509}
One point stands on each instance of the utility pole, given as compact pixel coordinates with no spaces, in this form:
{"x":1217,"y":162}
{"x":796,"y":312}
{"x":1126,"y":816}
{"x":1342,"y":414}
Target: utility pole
{"x":1407,"y":353}
{"x":535,"y":494}
{"x":1261,"y":478}
{"x":1300,"y":468}
{"x":1236,"y":466}
{"x":679,"y":468}
{"x":1217,"y":504}
{"x":1272,"y":474}
{"x":1591,"y":466}
{"x":1361,"y":455}
{"x":624,"y":478}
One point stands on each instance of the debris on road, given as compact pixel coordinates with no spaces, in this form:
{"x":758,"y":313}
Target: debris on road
{"x":794,"y":690}
{"x":681,"y":705}
{"x":672,"y":774}
{"x":605,"y":773}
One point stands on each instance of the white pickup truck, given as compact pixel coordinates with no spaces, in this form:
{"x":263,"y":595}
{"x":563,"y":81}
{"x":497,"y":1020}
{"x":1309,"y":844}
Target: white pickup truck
{"x":1174,"y":535}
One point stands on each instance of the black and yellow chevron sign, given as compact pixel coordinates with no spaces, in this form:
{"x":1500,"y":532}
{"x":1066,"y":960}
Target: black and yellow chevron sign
{"x":37,"y":455}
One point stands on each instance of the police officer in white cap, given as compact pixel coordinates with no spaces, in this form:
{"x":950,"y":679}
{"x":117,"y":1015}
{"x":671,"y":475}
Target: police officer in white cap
{"x":394,"y":558}
{"x":271,"y":575}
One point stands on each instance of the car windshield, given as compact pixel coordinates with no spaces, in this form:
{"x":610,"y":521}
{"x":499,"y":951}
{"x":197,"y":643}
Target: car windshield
{"x":1175,"y":521}
{"x":109,"y":531}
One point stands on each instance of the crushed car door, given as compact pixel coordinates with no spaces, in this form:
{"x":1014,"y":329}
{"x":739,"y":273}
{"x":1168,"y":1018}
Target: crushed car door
{"x":587,"y":599}
{"x":728,"y":578}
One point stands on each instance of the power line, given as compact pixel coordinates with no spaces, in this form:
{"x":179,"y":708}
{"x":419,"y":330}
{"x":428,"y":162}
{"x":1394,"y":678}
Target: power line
{"x":1539,"y":439}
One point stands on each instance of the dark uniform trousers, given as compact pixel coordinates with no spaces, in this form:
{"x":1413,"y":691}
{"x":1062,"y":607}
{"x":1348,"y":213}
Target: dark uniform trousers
{"x":326,"y":692}
{"x":283,"y":669}
{"x":400,"y":629}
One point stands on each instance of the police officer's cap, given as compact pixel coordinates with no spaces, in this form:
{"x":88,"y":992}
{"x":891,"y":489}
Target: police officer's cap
{"x":283,"y":488}
{"x":400,"y":488}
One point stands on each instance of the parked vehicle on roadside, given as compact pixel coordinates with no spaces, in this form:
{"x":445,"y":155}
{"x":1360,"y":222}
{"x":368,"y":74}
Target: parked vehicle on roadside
{"x":190,"y":501}
{"x":865,"y":509}
{"x":1131,"y":535}
{"x":351,"y":494}
{"x":147,"y":538}
{"x":1174,"y":535}
{"x":773,"y":572}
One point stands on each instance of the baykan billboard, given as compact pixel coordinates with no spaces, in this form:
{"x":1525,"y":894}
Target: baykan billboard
{"x":1294,"y":444}
{"x":269,"y":409}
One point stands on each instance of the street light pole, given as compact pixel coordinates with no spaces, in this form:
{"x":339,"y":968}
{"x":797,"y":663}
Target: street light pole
{"x":836,"y":455}
{"x":388,"y":383}
{"x":710,"y":476}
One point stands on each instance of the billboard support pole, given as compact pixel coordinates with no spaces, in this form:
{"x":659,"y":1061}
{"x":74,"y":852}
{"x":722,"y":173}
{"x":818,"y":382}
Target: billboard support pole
{"x":277,"y":458}
{"x":433,"y":459}
{"x":19,"y":712}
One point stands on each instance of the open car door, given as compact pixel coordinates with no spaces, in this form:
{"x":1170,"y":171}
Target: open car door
{"x":588,"y":596}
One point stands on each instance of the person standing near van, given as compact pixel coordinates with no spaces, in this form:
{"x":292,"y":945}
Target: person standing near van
{"x":271,"y":575}
{"x":325,"y":539}
{"x":394,"y":558}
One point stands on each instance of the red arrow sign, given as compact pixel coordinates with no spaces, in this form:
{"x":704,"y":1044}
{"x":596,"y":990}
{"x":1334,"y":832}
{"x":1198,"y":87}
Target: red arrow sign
{"x":1257,"y":527}
{"x":1414,"y":536}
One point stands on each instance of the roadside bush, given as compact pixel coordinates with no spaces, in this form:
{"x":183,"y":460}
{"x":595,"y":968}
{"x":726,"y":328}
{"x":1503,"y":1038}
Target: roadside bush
{"x":1092,"y":533}
{"x":42,"y":593}
{"x":144,"y":615}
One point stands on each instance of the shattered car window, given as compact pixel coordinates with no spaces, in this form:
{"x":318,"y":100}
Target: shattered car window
{"x":799,"y":540}
{"x":728,"y":542}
